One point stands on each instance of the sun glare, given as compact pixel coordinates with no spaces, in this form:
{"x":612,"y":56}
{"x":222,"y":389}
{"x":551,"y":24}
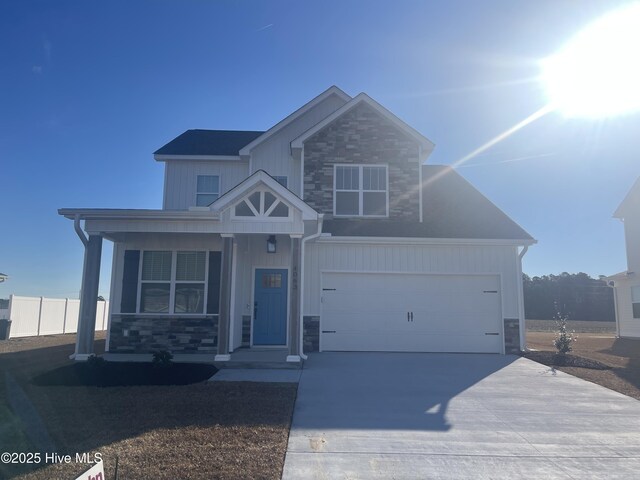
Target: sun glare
{"x":597,"y":74}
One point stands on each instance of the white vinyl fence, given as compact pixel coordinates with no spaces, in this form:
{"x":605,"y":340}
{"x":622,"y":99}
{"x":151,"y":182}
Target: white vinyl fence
{"x":33,"y":316}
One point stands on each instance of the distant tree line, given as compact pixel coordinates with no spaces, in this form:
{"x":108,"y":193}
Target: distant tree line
{"x":574,"y":294}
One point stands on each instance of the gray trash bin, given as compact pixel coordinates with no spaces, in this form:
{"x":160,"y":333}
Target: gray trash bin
{"x":5,"y":328}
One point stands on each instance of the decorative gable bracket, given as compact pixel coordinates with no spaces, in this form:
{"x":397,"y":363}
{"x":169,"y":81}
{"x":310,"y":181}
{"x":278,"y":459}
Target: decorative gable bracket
{"x":261,"y":204}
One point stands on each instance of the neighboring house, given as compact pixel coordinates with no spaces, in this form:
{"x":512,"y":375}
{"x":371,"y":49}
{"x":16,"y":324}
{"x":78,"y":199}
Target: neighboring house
{"x":626,"y":285}
{"x":326,"y":232}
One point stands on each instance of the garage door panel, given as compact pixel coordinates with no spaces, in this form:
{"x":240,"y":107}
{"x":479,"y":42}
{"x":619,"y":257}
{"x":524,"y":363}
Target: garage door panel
{"x":451,"y":313}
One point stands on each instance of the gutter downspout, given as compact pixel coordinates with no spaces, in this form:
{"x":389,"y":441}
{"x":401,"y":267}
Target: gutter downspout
{"x":302,"y":249}
{"x":78,"y":229}
{"x":521,"y":302}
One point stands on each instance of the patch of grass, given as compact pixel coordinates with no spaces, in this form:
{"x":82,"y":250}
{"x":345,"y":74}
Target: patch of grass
{"x":113,"y":374}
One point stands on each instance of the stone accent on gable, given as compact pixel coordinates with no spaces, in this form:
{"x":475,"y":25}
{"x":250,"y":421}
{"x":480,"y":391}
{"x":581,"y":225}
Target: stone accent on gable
{"x":511,"y":336}
{"x":175,"y":334}
{"x":363,"y":136}
{"x":311,"y":333}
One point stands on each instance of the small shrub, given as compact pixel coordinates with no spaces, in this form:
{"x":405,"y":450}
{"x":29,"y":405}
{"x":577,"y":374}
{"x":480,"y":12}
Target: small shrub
{"x":95,"y":362}
{"x":162,"y":358}
{"x":564,"y":338}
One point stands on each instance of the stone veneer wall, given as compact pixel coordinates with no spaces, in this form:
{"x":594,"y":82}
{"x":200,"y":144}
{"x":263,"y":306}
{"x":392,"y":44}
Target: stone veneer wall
{"x":363,"y":136}
{"x":176,"y":334}
{"x":511,"y":336}
{"x":246,"y":330}
{"x":311,"y":333}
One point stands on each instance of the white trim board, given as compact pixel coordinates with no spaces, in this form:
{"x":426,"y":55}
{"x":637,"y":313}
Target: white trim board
{"x":333,"y":90}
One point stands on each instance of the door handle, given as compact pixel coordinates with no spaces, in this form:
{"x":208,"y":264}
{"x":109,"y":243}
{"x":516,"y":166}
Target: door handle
{"x":255,"y":310}
{"x":408,"y":317}
{"x":412,"y":316}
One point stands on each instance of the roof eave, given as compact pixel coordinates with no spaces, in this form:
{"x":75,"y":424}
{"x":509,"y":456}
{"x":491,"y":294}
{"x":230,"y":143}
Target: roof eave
{"x":426,"y":145}
{"x":333,"y":90}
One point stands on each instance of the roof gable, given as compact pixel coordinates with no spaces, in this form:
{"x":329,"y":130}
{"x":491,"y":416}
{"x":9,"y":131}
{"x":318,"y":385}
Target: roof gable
{"x":261,"y":177}
{"x":207,"y":143}
{"x":333,"y":90}
{"x":426,"y":144}
{"x":631,"y":200}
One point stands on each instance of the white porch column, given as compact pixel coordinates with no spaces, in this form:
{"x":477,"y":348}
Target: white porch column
{"x":89,"y":298}
{"x":224,"y":317}
{"x":294,"y":301}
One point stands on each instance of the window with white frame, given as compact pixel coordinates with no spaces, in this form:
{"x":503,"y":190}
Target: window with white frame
{"x":207,"y":189}
{"x":635,"y":301}
{"x":361,"y":190}
{"x":173,"y":282}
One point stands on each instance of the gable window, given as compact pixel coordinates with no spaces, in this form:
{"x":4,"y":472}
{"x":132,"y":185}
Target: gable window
{"x":282,"y":180}
{"x":635,"y":301}
{"x":361,"y":190}
{"x":207,"y":190}
{"x":173,"y":282}
{"x":261,"y":203}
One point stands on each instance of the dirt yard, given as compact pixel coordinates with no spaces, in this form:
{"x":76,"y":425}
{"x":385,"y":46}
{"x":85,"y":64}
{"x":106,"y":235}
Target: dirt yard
{"x":204,"y":430}
{"x":622,"y":354}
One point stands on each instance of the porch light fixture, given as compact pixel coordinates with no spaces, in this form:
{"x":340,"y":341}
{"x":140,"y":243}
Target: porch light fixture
{"x":271,"y":244}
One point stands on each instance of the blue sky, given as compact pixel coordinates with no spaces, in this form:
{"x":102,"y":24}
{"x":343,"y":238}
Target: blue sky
{"x":88,"y":90}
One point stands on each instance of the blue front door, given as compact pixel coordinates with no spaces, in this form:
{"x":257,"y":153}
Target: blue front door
{"x":270,"y":307}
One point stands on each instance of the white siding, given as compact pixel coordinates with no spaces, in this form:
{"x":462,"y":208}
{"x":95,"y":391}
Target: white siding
{"x":274,"y":154}
{"x":628,"y":326}
{"x":500,"y":260}
{"x":181,"y":175}
{"x":632,"y":241}
{"x":251,"y":253}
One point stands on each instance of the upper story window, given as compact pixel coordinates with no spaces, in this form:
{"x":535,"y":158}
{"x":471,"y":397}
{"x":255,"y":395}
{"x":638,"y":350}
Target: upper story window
{"x":361,"y":191}
{"x":635,"y":301}
{"x":282,"y":180}
{"x":173,"y":282}
{"x":207,"y":190}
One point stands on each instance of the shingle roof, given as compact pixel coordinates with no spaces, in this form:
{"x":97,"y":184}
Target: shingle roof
{"x":208,"y":142}
{"x":452,"y":208}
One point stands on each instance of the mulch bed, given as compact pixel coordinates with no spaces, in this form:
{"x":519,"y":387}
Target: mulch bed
{"x":553,"y":359}
{"x":118,"y":374}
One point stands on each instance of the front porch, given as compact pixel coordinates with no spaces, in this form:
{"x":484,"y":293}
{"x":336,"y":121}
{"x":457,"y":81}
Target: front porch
{"x":213,"y":282}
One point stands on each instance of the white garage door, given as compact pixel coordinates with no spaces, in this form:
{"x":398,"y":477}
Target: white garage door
{"x":411,"y":313}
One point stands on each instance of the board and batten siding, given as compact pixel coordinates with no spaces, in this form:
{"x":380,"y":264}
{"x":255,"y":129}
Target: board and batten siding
{"x":627,"y":325}
{"x":251,"y":253}
{"x":181,"y":179}
{"x":274,"y":154}
{"x":433,"y":259}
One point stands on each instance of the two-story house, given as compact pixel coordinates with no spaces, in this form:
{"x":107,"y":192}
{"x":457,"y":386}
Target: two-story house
{"x":626,"y":285}
{"x":326,"y":232}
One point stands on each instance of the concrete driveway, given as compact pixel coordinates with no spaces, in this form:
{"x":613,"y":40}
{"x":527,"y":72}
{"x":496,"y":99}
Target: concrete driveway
{"x":394,"y":415}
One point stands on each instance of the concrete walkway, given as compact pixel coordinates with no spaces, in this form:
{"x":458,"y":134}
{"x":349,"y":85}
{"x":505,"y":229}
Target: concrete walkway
{"x":416,"y":416}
